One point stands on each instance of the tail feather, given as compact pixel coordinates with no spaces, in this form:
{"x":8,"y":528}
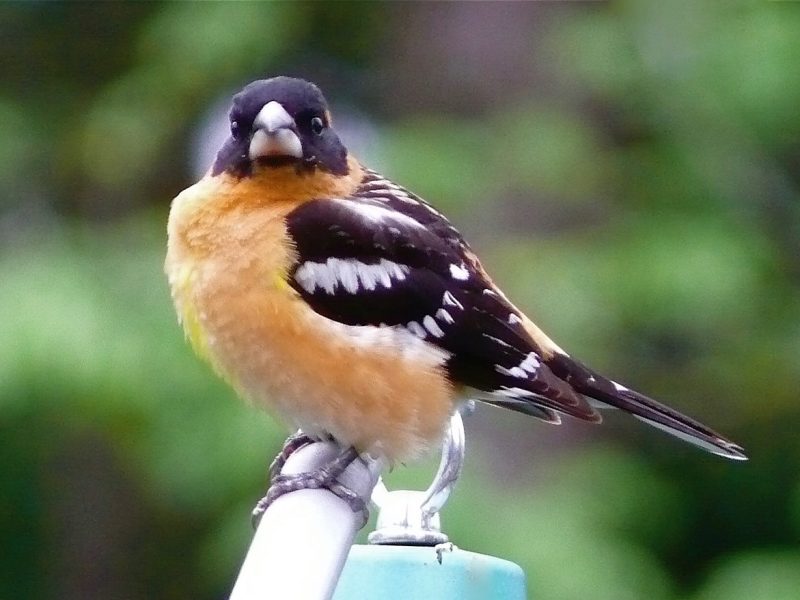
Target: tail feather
{"x":526,"y":407}
{"x":611,"y":393}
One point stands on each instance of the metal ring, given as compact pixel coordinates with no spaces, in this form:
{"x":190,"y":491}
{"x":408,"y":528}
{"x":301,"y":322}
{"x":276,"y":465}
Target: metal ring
{"x":450,"y":466}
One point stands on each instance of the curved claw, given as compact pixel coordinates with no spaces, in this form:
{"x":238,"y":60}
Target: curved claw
{"x":292,"y":444}
{"x":322,"y":478}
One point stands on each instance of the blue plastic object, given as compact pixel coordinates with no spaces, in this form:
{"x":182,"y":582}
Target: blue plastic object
{"x":427,"y":573}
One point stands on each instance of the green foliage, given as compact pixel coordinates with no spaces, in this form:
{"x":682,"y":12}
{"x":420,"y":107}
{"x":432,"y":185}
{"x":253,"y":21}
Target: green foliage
{"x":765,"y":574}
{"x":633,"y":185}
{"x":584,"y":533}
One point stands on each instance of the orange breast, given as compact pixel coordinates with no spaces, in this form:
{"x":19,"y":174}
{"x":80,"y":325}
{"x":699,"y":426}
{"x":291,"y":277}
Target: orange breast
{"x":380,"y":389}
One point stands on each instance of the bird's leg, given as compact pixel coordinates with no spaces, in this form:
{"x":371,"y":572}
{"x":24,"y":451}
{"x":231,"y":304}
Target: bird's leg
{"x":292,"y":444}
{"x":323,"y":478}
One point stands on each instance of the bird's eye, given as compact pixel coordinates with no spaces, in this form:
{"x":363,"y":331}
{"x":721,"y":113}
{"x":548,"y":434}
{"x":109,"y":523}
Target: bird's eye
{"x":235,"y":128}
{"x":317,"y":125}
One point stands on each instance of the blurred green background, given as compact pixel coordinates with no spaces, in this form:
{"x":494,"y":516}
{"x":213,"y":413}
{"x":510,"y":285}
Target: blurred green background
{"x":629,"y":171}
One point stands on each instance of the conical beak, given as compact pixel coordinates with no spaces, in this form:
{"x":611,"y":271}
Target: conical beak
{"x":275,"y":134}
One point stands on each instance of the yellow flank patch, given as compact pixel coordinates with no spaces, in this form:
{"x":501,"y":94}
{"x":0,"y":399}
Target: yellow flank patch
{"x":280,"y":282}
{"x":189,"y":316}
{"x":194,"y":331}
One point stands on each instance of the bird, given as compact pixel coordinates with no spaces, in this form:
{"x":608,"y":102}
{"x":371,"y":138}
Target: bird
{"x":351,"y":308}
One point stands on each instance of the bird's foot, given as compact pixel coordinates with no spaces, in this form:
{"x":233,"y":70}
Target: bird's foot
{"x":292,"y":444}
{"x":323,"y":478}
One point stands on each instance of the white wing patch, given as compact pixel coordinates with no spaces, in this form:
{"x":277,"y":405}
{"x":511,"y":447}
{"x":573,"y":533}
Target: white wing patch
{"x":449,"y":300}
{"x":512,"y":372}
{"x":349,"y":273}
{"x":531,"y":363}
{"x":459,"y":272}
{"x":514,"y":392}
{"x":379,"y":184}
{"x":526,"y":368}
{"x":379,"y":214}
{"x":444,"y":316}
{"x":432,"y":326}
{"x":620,"y":387}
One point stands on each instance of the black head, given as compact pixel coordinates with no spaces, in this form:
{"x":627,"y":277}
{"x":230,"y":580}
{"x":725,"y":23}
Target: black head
{"x":277,"y":122}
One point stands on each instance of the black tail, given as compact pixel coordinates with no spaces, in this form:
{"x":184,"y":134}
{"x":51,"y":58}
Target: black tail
{"x":611,"y":393}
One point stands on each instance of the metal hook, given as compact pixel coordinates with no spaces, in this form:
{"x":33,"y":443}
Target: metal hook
{"x":412,"y":517}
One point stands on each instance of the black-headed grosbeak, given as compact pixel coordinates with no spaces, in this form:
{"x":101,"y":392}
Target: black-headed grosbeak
{"x":351,"y":307}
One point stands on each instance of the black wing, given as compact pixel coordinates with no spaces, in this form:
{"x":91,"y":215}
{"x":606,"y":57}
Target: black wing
{"x":385,"y":258}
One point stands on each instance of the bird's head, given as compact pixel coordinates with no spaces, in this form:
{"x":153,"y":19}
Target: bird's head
{"x":280,"y":122}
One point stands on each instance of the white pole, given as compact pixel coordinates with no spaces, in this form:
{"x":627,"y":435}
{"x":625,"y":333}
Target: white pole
{"x":304,"y":537}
